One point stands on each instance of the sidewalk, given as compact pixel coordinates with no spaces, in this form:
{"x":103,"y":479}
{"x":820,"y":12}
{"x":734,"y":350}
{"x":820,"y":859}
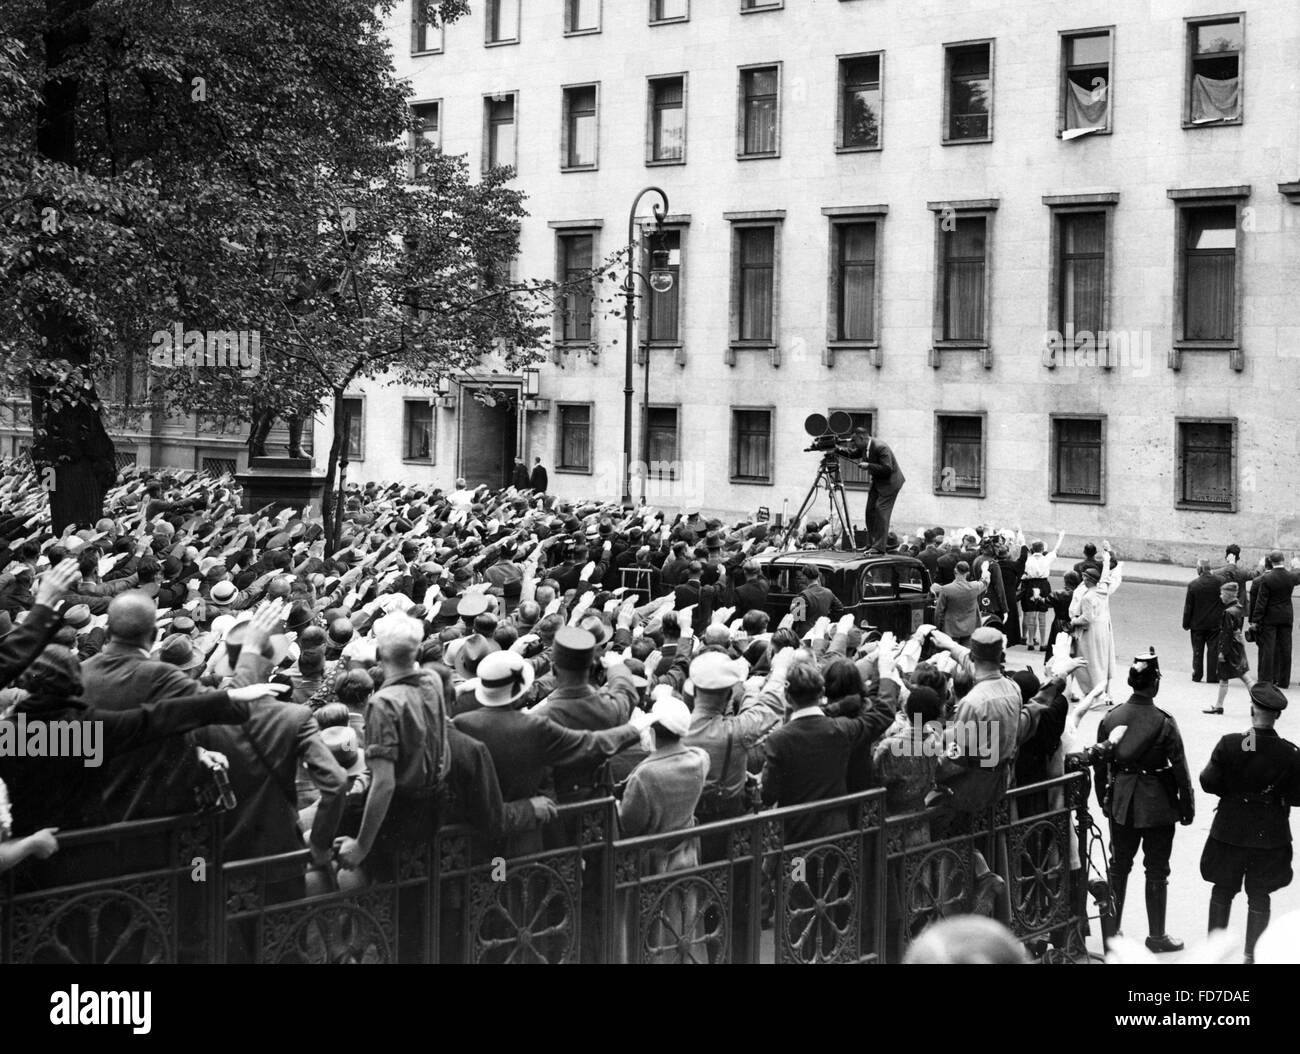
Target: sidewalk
{"x":1139,"y":573}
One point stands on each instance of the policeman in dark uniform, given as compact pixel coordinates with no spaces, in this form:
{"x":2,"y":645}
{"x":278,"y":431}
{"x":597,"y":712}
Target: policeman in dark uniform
{"x":1144,"y":791}
{"x":1256,"y":775}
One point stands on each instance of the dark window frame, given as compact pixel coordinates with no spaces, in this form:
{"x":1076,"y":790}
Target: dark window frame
{"x":742,"y":111}
{"x":418,"y":30}
{"x":1190,"y":27}
{"x":1059,"y":208}
{"x":570,"y":31}
{"x":1186,"y":202}
{"x":949,"y":52}
{"x":491,"y":100}
{"x":566,"y":127}
{"x":940,"y":417}
{"x":560,"y":466}
{"x":676,"y":460}
{"x":360,"y":454}
{"x":1180,"y":466}
{"x":985,"y":209}
{"x":1055,"y":494}
{"x":755,"y":481}
{"x":653,"y":109}
{"x":659,"y":20}
{"x":857,"y":478}
{"x":1067,"y":36}
{"x":492,"y":7}
{"x":563,"y":237}
{"x":841,"y":109}
{"x":407,"y":457}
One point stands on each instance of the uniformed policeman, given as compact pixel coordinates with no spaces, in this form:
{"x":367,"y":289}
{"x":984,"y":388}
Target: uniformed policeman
{"x":1256,"y":775}
{"x":1144,"y":791}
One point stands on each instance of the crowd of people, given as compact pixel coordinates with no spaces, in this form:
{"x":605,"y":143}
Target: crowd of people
{"x":479,"y":657}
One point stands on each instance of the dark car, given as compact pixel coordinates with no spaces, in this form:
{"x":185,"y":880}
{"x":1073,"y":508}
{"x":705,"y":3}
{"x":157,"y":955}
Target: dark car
{"x":887,"y":592}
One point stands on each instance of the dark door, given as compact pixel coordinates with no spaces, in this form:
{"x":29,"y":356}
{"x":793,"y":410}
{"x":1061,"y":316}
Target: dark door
{"x":488,"y":435}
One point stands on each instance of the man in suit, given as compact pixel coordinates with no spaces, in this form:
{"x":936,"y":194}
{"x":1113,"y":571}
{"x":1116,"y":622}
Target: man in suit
{"x":886,"y":481}
{"x":808,"y":759}
{"x":519,"y":475}
{"x":752,"y":593}
{"x":956,"y":608}
{"x":814,"y":601}
{"x":691,"y":591}
{"x":1202,"y":614}
{"x":1256,"y":776}
{"x":1272,"y":614}
{"x":537,"y":479}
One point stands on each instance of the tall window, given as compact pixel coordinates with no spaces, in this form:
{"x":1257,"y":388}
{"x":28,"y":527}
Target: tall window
{"x":664,"y":312}
{"x":581,"y":16}
{"x":427,"y":131}
{"x":969,"y":101}
{"x":965,"y":266}
{"x":759,"y":111}
{"x":855,"y":280}
{"x":1216,"y":54}
{"x":661,"y":432}
{"x":859,"y":103}
{"x":1207,"y":461}
{"x":1209,"y":273}
{"x":354,"y":413}
{"x":858,"y":478}
{"x":426,"y":34}
{"x":669,"y":10}
{"x":418,"y":431}
{"x":499,"y":118}
{"x":667,"y":119}
{"x":580,"y":138}
{"x":756,"y":276}
{"x":574,"y":454}
{"x":1081,"y":287}
{"x":1086,"y":87}
{"x":575,"y":252}
{"x":751,"y":446}
{"x":502,"y":21}
{"x":959,"y":454}
{"x":1078,"y":457}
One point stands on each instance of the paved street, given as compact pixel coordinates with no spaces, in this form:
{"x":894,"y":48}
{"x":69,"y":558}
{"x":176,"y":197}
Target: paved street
{"x":1151,"y":615}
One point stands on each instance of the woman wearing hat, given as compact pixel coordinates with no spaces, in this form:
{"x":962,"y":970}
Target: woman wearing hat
{"x":1090,"y":617}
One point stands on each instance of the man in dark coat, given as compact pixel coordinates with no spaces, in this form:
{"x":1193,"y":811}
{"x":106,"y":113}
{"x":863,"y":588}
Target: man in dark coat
{"x":519,"y":478}
{"x":814,"y":601}
{"x":1256,"y":775}
{"x":1272,"y":614}
{"x":887,"y":480}
{"x":1202,"y":613}
{"x":1144,"y":791}
{"x":538,"y":479}
{"x":752,"y":593}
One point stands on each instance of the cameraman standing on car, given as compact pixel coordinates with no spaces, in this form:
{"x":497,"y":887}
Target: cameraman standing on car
{"x":886,"y":481}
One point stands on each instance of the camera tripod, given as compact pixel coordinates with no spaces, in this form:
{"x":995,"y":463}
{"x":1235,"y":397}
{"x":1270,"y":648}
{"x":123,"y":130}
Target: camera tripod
{"x":828,"y":476}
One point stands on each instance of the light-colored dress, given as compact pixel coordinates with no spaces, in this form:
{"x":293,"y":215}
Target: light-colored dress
{"x":1096,"y":639}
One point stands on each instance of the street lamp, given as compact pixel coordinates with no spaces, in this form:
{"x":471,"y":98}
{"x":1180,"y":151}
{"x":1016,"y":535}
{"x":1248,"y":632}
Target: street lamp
{"x":660,"y":280}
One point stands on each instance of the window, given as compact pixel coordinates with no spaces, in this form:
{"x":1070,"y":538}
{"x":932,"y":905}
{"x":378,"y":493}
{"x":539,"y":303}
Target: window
{"x":1215,"y":65}
{"x":959,"y":455}
{"x":667,"y":138}
{"x":855,"y":280}
{"x":1081,"y":271}
{"x":417,"y":428}
{"x":746,"y":6}
{"x":1078,"y":458}
{"x":663,"y":314}
{"x":859,"y":117}
{"x":965,"y":266}
{"x":1209,"y":273}
{"x":760,"y":112}
{"x":1085,"y":84}
{"x":1207,"y":464}
{"x":217,"y":466}
{"x":756,"y":272}
{"x":502,"y":21}
{"x":499,"y":130}
{"x":575,"y":261}
{"x":354,"y":415}
{"x":968,"y":101}
{"x":751,"y":446}
{"x":122,"y":459}
{"x":426,"y":34}
{"x":426,"y":132}
{"x":853,"y":476}
{"x":669,"y":11}
{"x":661,"y":434}
{"x":581,"y":16}
{"x":580,"y":132}
{"x":574,"y":454}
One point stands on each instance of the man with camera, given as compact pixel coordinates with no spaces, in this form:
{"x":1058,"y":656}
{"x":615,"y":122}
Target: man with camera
{"x":886,"y":481}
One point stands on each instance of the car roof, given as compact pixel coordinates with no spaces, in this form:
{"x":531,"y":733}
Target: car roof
{"x":840,"y":558}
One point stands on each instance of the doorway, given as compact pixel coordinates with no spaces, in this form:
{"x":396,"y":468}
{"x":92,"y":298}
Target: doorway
{"x":489,"y":434}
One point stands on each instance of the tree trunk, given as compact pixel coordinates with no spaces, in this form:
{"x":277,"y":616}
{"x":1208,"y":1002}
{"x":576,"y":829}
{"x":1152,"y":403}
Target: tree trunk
{"x":68,"y":437}
{"x":331,"y":509}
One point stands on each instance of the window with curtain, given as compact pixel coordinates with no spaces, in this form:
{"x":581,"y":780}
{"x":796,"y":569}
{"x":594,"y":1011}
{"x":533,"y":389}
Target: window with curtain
{"x":500,"y":130}
{"x":1210,"y":273}
{"x":852,"y":475}
{"x":502,"y":21}
{"x":1217,"y":51}
{"x":669,"y":10}
{"x":575,"y":263}
{"x":580,"y":126}
{"x":1081,"y":272}
{"x":427,"y":129}
{"x":759,"y":100}
{"x":665,"y":308}
{"x":668,"y":119}
{"x":964,"y":265}
{"x":1077,"y":453}
{"x":575,"y":439}
{"x":661,"y":429}
{"x":426,"y":35}
{"x":860,"y":102}
{"x":354,"y":413}
{"x":751,"y":445}
{"x":581,"y":15}
{"x":756,"y":265}
{"x":855,"y":281}
{"x":961,"y":454}
{"x":1087,"y":84}
{"x":1205,"y":467}
{"x":970,"y":91}
{"x":418,"y":430}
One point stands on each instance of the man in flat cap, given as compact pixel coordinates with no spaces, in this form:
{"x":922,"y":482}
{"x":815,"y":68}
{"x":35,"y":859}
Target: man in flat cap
{"x":1144,"y":791}
{"x":1256,"y":776}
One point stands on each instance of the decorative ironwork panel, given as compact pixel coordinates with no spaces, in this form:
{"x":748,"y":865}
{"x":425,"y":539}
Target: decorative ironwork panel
{"x":686,"y":920}
{"x":936,"y":884}
{"x":531,"y":917}
{"x":128,"y":925}
{"x":1038,"y":853}
{"x":356,"y":930}
{"x":818,"y":894}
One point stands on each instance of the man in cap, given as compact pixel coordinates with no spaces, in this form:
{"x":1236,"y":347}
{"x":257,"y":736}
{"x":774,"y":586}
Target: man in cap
{"x":1256,"y":776}
{"x":1144,"y":791}
{"x":1231,"y":645}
